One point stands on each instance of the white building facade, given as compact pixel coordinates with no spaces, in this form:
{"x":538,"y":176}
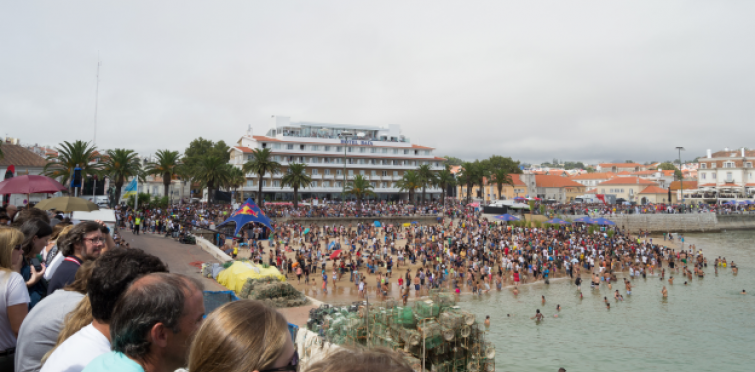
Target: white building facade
{"x":727,"y":174}
{"x":334,"y":154}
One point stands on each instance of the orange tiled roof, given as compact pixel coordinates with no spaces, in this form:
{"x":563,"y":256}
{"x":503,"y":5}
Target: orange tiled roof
{"x":422,"y":147}
{"x":644,"y":173}
{"x":620,"y":165}
{"x":592,"y":191}
{"x":623,"y":173}
{"x":555,"y":181}
{"x":593,"y":176}
{"x":749,"y":184}
{"x":627,"y":181}
{"x":688,"y":185}
{"x":21,"y":157}
{"x":654,"y":190}
{"x":516,"y":180}
{"x":455,"y":169}
{"x":244,"y":149}
{"x":707,"y":185}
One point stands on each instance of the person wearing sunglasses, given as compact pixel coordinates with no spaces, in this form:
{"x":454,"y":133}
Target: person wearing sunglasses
{"x":14,"y":297}
{"x":243,"y":336}
{"x":85,"y":242}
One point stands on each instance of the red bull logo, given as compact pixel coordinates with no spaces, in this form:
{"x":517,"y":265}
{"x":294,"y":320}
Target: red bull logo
{"x":246,"y":210}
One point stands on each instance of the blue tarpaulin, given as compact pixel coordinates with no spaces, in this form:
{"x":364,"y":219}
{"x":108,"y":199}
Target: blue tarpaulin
{"x":247,"y":213}
{"x":377,"y":223}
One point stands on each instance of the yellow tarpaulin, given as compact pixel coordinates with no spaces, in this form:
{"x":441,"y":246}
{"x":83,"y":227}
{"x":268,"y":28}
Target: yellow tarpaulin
{"x":236,"y":275}
{"x":407,"y":224}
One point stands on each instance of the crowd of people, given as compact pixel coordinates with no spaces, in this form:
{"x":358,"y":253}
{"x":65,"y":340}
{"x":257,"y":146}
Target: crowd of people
{"x":106,"y":307}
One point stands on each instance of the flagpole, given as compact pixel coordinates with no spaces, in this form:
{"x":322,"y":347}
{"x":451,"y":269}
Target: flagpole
{"x":136,"y":196}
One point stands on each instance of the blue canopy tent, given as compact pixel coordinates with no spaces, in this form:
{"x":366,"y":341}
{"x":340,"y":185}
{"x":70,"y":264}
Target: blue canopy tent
{"x":506,"y":217}
{"x":746,"y":202}
{"x":377,"y":224}
{"x":557,"y":221}
{"x":247,"y":213}
{"x":603,"y":221}
{"x":584,"y":219}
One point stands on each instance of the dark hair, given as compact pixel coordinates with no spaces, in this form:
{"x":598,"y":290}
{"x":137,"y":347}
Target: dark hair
{"x":112,"y":274}
{"x":28,"y":215}
{"x":32,"y":229}
{"x":158,"y":300}
{"x":76,"y":236}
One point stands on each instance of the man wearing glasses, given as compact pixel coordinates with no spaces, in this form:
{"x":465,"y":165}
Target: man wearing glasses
{"x":85,"y":242}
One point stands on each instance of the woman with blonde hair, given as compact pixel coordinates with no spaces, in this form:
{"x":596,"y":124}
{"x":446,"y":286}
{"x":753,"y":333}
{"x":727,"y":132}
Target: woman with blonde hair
{"x":243,"y":336}
{"x":14,"y":297}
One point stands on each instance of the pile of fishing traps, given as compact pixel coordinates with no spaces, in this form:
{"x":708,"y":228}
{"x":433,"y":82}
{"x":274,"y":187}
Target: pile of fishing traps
{"x":449,"y":339}
{"x":273,"y":292}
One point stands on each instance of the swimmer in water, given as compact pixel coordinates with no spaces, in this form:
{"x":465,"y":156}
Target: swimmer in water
{"x":616,"y":294}
{"x":671,"y":280}
{"x":743,"y":292}
{"x":543,"y":299}
{"x":558,"y":307}
{"x":516,"y":291}
{"x":664,"y":292}
{"x":685,"y":283}
{"x":608,"y":306}
{"x":487,"y":321}
{"x":605,"y":299}
{"x":538,"y":316}
{"x":734,"y":268}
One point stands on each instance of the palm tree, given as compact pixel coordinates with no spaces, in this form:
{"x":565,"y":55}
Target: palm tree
{"x":71,"y":155}
{"x":468,"y":177}
{"x":410,"y":182}
{"x":296,"y":177}
{"x":236,"y":179}
{"x":500,"y":177}
{"x":166,"y":166}
{"x":445,"y":179}
{"x":360,"y":187}
{"x":120,"y":165}
{"x":261,"y":163}
{"x":426,"y":178}
{"x":212,"y":172}
{"x":483,"y":174}
{"x":2,"y":155}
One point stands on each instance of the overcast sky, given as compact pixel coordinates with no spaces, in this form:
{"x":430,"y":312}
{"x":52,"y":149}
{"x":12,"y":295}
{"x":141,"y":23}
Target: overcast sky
{"x":534,"y":80}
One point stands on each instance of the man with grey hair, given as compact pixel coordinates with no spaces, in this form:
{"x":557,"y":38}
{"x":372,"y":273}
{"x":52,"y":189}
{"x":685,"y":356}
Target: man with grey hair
{"x":153,"y":324}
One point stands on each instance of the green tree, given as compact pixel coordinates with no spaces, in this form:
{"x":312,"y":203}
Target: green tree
{"x":296,"y":177}
{"x":236,"y":179}
{"x":468,"y":176}
{"x":200,"y":148}
{"x":360,"y":187}
{"x":427,"y":178}
{"x":261,"y":163}
{"x":450,"y":160}
{"x":445,"y":179}
{"x":2,"y":155}
{"x":120,"y":165}
{"x":166,"y":166}
{"x":501,"y":177}
{"x":667,"y":166}
{"x":144,"y":200}
{"x":70,"y":155}
{"x":483,"y":170}
{"x":409,"y":182}
{"x":497,"y":161}
{"x":212,"y":172}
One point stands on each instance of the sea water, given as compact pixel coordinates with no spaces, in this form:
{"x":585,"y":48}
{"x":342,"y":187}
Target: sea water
{"x":706,"y":325}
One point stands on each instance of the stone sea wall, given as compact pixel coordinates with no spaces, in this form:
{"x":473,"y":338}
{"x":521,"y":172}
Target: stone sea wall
{"x":691,"y":222}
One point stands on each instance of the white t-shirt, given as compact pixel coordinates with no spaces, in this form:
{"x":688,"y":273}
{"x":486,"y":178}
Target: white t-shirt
{"x":54,"y":265}
{"x":77,"y":351}
{"x":12,"y":292}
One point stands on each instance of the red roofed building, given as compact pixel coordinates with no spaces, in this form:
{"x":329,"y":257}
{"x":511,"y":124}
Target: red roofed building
{"x":592,"y":179}
{"x":726,"y":174}
{"x":654,"y":194}
{"x":627,"y":188}
{"x":557,"y":188}
{"x":334,"y":153}
{"x":619,"y":167}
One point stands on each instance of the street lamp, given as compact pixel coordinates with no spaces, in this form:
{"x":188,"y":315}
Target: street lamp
{"x":681,"y":174}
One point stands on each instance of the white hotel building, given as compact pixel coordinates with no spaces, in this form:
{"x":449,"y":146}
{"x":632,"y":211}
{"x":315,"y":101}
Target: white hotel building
{"x":381,"y":155}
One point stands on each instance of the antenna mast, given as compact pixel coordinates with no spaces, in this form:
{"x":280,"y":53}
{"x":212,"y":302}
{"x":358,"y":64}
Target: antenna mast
{"x":96,"y":99}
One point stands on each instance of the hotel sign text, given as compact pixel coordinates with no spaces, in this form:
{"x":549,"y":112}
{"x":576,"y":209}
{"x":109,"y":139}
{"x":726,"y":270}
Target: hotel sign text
{"x":364,"y":143}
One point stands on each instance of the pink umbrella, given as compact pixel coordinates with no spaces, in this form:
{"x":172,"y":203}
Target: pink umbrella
{"x":474,"y":205}
{"x":30,"y":185}
{"x":335,"y":254}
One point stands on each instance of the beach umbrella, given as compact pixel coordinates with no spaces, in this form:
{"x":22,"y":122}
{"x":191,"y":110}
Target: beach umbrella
{"x":415,"y":223}
{"x":335,"y":254}
{"x":377,"y":223}
{"x":558,"y":221}
{"x":603,"y":221}
{"x":585,"y":219}
{"x":730,"y":202}
{"x":747,"y":202}
{"x":67,"y":204}
{"x":306,"y":231}
{"x":519,"y":198}
{"x":506,"y":217}
{"x":30,"y":185}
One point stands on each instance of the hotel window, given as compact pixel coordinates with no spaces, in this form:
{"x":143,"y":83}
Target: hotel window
{"x":313,"y":184}
{"x":385,"y":173}
{"x":713,"y":165}
{"x":327,"y":172}
{"x":750,"y":175}
{"x":385,"y":150}
{"x":249,"y":183}
{"x":325,"y":183}
{"x":702,"y":175}
{"x":264,"y":145}
{"x":264,"y":183}
{"x":350,"y":149}
{"x":395,"y":173}
{"x":315,"y":148}
{"x":406,"y":152}
{"x":339,"y":148}
{"x":314,"y":172}
{"x":373,"y":173}
{"x":361,"y":161}
{"x":729,"y":164}
{"x":384,"y":185}
{"x":713,"y":175}
{"x":703,"y":166}
{"x":327,"y":148}
{"x":427,"y":152}
{"x":289,"y":146}
{"x":729,"y":177}
{"x":301,"y":147}
{"x":393,"y":184}
{"x":361,"y":172}
{"x":373,"y":150}
{"x":748,"y":165}
{"x":339,"y":172}
{"x":395,"y":151}
{"x":374,"y":184}
{"x":351,"y":172}
{"x":339,"y":184}
{"x":362,"y":149}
